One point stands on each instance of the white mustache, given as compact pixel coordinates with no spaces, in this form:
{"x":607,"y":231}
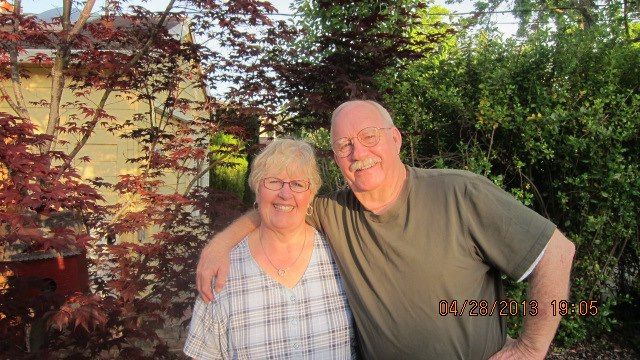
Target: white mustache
{"x":364,"y":164}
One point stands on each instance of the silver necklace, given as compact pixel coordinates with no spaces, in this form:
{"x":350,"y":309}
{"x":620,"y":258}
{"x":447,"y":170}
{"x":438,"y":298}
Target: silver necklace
{"x":282,"y":271}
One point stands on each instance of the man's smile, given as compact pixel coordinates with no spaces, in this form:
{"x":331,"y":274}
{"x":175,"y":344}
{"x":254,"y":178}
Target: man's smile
{"x":364,"y":164}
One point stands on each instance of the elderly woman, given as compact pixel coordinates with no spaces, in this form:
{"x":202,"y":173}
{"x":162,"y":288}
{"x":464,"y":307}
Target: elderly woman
{"x":284,"y":297}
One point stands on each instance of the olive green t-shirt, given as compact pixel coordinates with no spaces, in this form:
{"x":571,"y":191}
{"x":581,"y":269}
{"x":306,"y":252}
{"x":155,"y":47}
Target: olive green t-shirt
{"x":449,"y":236}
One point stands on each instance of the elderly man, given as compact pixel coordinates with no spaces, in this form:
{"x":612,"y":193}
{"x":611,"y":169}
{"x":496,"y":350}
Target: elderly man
{"x":422,"y":251}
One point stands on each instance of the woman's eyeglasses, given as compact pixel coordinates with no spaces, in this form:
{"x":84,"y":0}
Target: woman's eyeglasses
{"x":275,"y":184}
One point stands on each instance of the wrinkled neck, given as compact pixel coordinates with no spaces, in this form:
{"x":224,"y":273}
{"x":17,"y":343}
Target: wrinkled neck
{"x":278,"y":238}
{"x":377,"y":201}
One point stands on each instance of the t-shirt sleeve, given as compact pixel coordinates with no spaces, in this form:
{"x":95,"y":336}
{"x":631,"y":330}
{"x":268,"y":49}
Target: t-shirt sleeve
{"x":207,"y":338}
{"x":312,"y":219}
{"x":509,"y":235}
{"x":322,"y":205}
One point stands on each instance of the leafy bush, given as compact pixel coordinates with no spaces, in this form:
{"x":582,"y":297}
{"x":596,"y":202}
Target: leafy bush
{"x":331,"y":177}
{"x":231,"y":174}
{"x":554,"y":120}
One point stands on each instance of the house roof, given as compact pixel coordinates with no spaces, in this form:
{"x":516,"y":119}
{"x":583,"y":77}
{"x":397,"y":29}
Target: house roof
{"x":20,"y":253}
{"x":177,"y":27}
{"x":171,"y":24}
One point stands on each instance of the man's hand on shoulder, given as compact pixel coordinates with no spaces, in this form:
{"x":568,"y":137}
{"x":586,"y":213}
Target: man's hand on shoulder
{"x":212,"y":264}
{"x":214,"y":258}
{"x":515,"y":349}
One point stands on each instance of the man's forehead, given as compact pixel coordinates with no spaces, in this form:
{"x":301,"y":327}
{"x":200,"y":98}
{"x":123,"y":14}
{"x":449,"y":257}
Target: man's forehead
{"x":356,"y":117}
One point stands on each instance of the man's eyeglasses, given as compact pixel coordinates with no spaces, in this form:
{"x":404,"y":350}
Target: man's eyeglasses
{"x":369,"y":136}
{"x":275,"y":184}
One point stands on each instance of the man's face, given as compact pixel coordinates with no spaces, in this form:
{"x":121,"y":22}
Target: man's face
{"x":366,"y":168}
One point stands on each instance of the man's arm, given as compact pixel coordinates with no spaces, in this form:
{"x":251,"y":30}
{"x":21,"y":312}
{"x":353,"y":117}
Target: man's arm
{"x":214,"y":258}
{"x":549,"y":281}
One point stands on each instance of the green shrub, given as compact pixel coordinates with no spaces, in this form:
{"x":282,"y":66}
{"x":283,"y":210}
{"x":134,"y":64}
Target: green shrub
{"x":555,"y":121}
{"x":331,"y":177}
{"x":231,"y":173}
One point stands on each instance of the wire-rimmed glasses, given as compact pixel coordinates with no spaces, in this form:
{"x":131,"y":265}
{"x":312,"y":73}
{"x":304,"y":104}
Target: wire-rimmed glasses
{"x":275,"y":184}
{"x":369,"y":136}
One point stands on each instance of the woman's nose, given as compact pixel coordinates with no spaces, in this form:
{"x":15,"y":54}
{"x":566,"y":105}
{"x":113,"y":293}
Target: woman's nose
{"x":285,"y":192}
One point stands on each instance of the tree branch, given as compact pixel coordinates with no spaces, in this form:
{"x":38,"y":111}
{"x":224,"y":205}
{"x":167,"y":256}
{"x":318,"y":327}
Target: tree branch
{"x":538,"y":195}
{"x":7,"y":98}
{"x":608,"y":265}
{"x":478,"y":16}
{"x":60,"y":64}
{"x":583,"y":7}
{"x":105,"y":96}
{"x":87,"y":133}
{"x":159,"y":26}
{"x":193,"y":181}
{"x":15,"y":67}
{"x":57,"y":86}
{"x":493,"y":134}
{"x":625,"y":18}
{"x":82,"y":20}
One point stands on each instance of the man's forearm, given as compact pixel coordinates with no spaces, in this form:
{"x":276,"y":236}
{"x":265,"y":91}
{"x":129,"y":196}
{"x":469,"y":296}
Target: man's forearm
{"x":213,"y":262}
{"x":226,"y":239}
{"x":548,"y":282}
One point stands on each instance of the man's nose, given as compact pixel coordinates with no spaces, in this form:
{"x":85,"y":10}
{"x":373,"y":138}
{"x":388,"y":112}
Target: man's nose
{"x":359,"y":151}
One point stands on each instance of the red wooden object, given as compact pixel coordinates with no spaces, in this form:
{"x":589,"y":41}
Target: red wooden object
{"x":63,"y":274}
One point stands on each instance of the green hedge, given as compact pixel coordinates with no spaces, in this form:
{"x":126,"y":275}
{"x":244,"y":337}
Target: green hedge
{"x":231,"y":173}
{"x":555,"y":121}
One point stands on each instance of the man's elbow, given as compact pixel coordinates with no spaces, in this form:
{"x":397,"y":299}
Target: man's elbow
{"x":571,"y":249}
{"x":566,"y":249}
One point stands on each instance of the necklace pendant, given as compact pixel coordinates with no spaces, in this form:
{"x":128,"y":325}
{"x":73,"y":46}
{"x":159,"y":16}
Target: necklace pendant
{"x":281,"y":272}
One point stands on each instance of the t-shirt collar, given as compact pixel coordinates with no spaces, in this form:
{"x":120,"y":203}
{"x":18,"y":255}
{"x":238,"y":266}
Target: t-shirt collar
{"x":398,"y":207}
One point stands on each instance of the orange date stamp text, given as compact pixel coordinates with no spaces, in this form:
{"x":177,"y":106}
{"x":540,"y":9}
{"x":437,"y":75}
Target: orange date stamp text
{"x":488,"y":308}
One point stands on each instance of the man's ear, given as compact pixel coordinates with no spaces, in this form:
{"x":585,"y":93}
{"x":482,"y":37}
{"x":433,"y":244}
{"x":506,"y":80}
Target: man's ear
{"x":397,"y":138}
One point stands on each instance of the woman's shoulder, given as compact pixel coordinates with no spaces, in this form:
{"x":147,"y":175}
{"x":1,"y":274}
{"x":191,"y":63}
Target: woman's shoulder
{"x":320,"y":240}
{"x":242,"y":266}
{"x":321,"y":244}
{"x":236,"y":280}
{"x":240,"y":251}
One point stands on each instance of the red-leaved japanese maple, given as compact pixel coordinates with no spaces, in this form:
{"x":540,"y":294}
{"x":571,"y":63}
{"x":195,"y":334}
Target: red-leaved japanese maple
{"x":93,"y":57}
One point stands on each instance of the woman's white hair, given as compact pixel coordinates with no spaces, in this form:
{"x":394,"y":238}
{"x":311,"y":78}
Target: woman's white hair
{"x":292,"y":156}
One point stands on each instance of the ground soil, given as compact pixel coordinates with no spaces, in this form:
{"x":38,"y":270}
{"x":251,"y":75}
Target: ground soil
{"x":615,"y":346}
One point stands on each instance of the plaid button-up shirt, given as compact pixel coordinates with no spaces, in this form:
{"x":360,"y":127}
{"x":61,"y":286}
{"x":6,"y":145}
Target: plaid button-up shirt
{"x":255,"y":317}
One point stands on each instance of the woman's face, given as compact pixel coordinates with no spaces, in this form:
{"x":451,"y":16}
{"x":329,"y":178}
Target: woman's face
{"x":283,"y":209}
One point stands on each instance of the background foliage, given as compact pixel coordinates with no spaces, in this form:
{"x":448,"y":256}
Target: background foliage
{"x":550,"y":115}
{"x":553,"y":118}
{"x":139,"y":289}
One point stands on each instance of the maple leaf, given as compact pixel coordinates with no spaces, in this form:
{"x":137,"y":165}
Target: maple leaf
{"x":89,"y":316}
{"x":43,"y":182}
{"x":84,"y":239}
{"x":60,"y":319}
{"x":31,"y":233}
{"x":128,"y":292}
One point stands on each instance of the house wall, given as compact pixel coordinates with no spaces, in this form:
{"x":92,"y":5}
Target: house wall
{"x":107,"y":151}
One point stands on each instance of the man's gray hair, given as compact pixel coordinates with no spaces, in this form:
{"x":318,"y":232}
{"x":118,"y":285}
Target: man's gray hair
{"x":384,"y":114}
